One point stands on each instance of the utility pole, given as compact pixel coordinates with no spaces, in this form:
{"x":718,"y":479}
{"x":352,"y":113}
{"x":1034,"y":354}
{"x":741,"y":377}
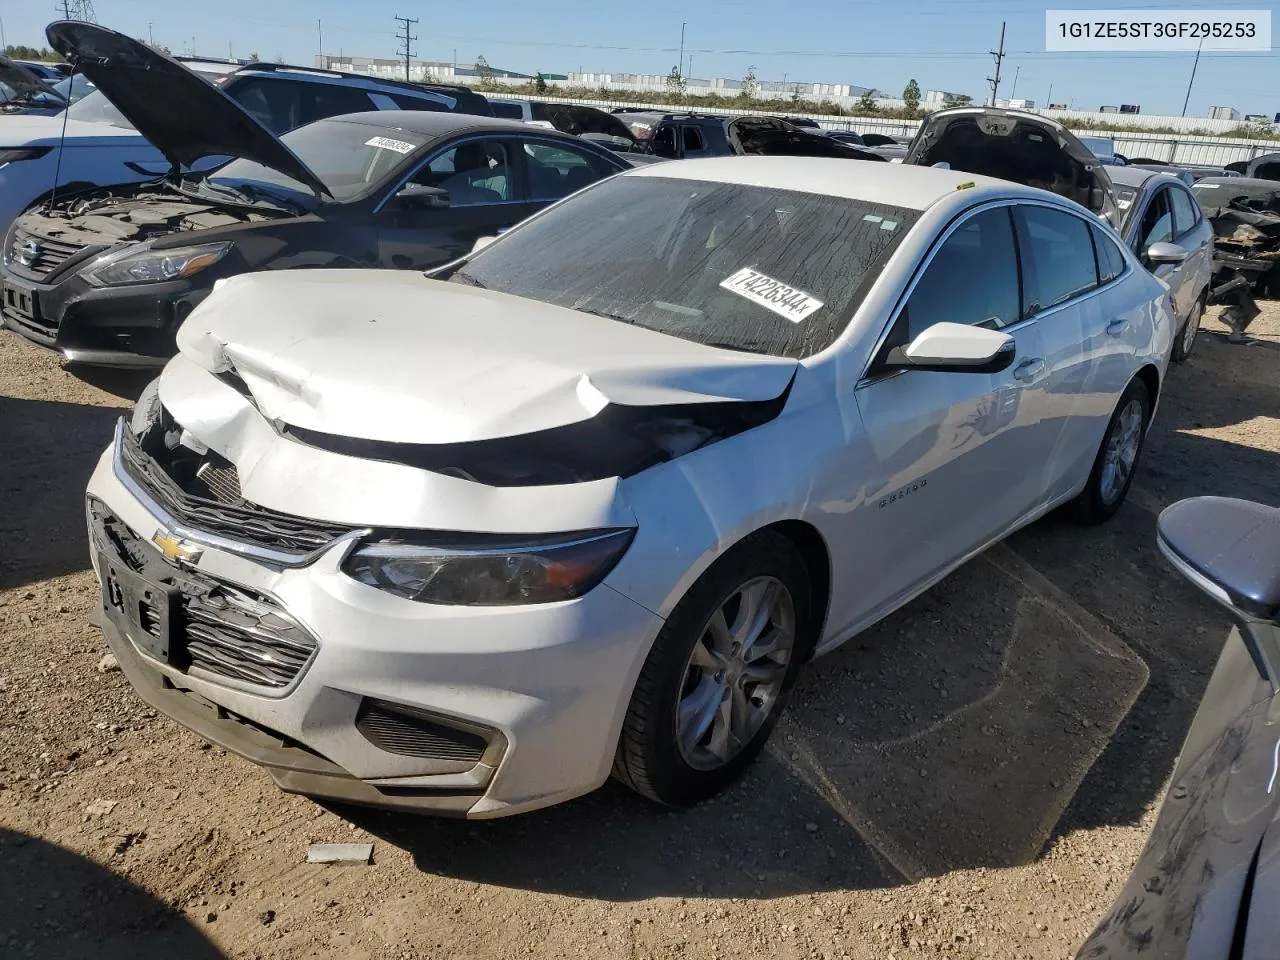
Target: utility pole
{"x":1014,"y":91}
{"x":151,"y":34}
{"x":1193,"y":78}
{"x":999,"y":55}
{"x":1048,"y":101}
{"x":680,"y":68}
{"x":407,"y":53}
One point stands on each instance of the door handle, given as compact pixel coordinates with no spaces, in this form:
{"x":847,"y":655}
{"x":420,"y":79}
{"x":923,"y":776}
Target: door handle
{"x":1117,"y":327}
{"x":1029,"y":369}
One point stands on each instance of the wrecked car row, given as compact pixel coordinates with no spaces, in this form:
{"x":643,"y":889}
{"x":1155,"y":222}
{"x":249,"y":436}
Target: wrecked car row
{"x":1245,"y":214}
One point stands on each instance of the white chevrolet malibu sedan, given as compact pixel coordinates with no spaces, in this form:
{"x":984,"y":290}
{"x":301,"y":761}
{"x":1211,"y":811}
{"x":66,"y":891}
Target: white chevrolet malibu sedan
{"x":586,"y":501}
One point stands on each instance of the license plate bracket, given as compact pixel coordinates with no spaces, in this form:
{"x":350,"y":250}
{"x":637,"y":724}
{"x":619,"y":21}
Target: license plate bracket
{"x":143,"y":610}
{"x":18,"y":299}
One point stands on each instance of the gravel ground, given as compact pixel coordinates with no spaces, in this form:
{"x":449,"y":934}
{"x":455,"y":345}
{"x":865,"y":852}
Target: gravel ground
{"x":974,"y":777}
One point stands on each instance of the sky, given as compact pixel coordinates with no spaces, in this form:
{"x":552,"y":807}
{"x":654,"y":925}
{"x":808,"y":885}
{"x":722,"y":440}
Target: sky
{"x":942,"y":44}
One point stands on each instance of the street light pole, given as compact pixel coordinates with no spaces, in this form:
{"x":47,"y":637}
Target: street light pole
{"x":680,"y":67}
{"x":320,"y":38}
{"x":1013,"y":92}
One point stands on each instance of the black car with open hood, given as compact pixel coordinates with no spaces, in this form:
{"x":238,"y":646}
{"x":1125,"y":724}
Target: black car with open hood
{"x":106,"y":275}
{"x":1017,"y":146}
{"x":191,"y":120}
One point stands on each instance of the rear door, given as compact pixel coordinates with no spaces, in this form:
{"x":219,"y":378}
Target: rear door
{"x":957,"y":454}
{"x":556,"y":169}
{"x":486,"y":197}
{"x":1079,"y":345}
{"x":1194,"y":234}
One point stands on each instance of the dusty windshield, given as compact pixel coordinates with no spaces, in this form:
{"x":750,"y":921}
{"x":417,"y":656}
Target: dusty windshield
{"x":748,"y":268}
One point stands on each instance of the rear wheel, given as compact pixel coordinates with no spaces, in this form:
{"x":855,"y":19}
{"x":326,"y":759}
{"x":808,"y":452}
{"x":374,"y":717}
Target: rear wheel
{"x":1117,"y":458}
{"x":1186,"y":340}
{"x":718,"y":675}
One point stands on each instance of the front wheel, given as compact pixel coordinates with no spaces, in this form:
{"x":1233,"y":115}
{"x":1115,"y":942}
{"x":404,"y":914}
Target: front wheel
{"x":1117,"y":458}
{"x":718,"y":675}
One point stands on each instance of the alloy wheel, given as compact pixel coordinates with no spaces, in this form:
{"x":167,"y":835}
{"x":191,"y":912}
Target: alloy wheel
{"x":1121,"y":450}
{"x":735,"y":673}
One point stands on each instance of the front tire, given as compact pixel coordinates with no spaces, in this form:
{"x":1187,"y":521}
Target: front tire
{"x":1117,"y":458}
{"x":717,"y":678}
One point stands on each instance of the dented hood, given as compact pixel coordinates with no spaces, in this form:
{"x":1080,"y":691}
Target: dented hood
{"x":392,"y":356}
{"x":1016,"y":146}
{"x":184,"y":116}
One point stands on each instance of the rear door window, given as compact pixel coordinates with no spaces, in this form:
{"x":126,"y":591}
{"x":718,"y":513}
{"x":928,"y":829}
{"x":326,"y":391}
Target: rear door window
{"x":508,"y":111}
{"x":274,"y":103}
{"x":1110,"y":259}
{"x":693,"y":140}
{"x":664,"y":142}
{"x":972,"y":278}
{"x":332,"y":100}
{"x":1057,"y":257}
{"x":1185,"y":215}
{"x":557,"y":171}
{"x":406,"y":101}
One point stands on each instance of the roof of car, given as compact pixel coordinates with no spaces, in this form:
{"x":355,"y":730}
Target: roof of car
{"x":1128,"y":176}
{"x":899,"y":185}
{"x":441,"y":123}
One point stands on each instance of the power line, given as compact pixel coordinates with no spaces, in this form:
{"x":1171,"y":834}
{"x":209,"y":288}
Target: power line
{"x":405,"y":39}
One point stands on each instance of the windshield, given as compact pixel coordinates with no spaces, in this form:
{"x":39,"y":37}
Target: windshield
{"x":347,"y":157}
{"x":749,"y":268}
{"x":75,"y":88}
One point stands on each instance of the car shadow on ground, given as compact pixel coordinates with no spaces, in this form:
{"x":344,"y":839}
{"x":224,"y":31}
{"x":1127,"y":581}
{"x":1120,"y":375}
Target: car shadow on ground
{"x":1044,"y":687}
{"x":50,"y":450}
{"x":55,"y":904}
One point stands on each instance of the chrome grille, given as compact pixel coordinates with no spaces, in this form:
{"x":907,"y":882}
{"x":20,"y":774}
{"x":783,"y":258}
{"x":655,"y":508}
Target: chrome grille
{"x":38,"y":256}
{"x":222,"y":481}
{"x":240,"y":521}
{"x":220,"y":628}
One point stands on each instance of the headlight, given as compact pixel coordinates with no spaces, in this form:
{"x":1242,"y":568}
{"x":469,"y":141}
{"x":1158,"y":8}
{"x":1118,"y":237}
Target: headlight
{"x":153,"y":266}
{"x":488,"y":572}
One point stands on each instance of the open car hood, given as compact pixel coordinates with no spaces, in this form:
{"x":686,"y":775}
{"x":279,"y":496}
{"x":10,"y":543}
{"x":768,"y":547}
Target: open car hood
{"x":1020,"y":147}
{"x":24,"y":83}
{"x":771,"y":137}
{"x":388,"y":365}
{"x":184,"y":116}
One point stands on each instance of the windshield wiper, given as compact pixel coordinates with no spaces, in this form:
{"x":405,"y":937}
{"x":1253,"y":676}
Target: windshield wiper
{"x":252,"y":195}
{"x":607,"y":316}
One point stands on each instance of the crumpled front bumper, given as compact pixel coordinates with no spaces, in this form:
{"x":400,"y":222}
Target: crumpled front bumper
{"x":548,"y":683}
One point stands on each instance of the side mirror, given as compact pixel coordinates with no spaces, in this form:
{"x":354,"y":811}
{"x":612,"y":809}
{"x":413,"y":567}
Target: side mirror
{"x":955,"y":347}
{"x":481,"y":243}
{"x":418,"y":197}
{"x":1228,"y":548}
{"x":1165,"y":252}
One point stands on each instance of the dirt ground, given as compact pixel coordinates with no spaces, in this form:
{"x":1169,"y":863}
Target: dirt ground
{"x":974,"y":777}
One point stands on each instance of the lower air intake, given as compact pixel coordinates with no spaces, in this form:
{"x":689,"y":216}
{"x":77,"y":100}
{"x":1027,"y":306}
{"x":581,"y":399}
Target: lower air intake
{"x":412,"y":735}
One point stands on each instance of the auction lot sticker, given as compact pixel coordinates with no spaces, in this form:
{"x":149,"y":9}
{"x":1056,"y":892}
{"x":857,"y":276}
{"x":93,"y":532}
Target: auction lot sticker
{"x":1129,"y":30}
{"x":771,"y":294}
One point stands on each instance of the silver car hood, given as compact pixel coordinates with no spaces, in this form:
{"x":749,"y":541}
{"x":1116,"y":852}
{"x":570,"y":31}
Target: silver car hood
{"x":390,"y":356}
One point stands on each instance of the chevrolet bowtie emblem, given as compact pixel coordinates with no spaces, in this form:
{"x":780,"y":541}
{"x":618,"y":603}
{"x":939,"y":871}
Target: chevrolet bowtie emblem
{"x":174,"y":549}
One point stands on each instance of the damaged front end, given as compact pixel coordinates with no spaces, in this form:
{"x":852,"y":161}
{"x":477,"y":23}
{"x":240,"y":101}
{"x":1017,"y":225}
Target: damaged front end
{"x":1246,"y":258}
{"x":108,"y":271}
